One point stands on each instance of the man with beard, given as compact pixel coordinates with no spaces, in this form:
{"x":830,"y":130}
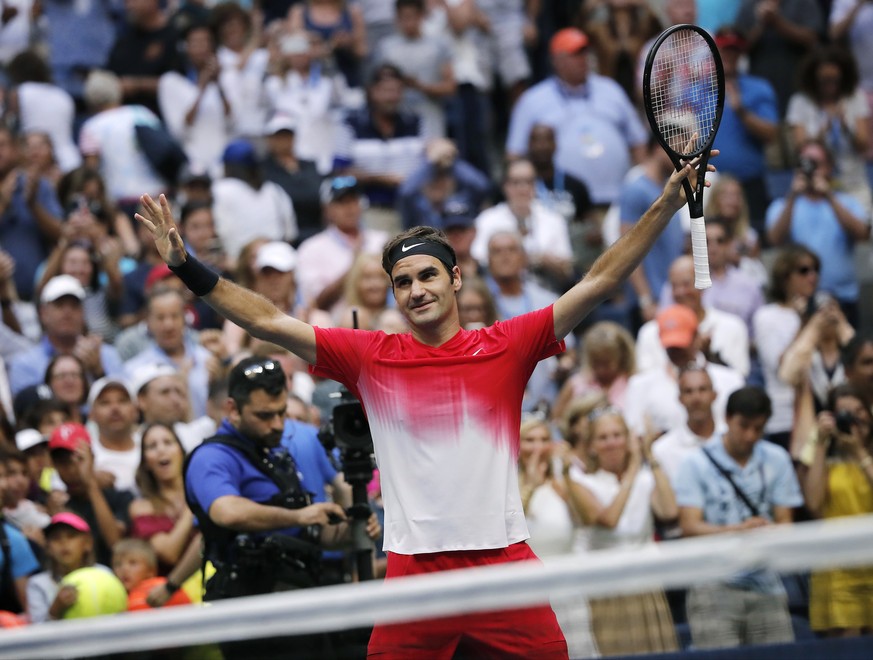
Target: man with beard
{"x":260,"y":530}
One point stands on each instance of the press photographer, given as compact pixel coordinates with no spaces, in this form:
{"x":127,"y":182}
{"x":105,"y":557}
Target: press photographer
{"x":260,"y":529}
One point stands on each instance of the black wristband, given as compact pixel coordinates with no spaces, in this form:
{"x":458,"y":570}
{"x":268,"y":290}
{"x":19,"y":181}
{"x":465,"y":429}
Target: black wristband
{"x":197,"y":277}
{"x":171,"y":586}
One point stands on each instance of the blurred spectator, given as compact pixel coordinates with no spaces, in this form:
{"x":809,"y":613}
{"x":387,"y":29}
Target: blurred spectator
{"x":299,"y":90}
{"x":98,"y":271}
{"x":150,"y":270}
{"x":37,"y":463}
{"x":366,"y":290}
{"x":715,"y":14}
{"x":12,"y":339}
{"x":459,"y":225}
{"x":162,"y":398}
{"x":195,"y":186}
{"x":794,"y":280}
{"x":732,"y":291}
{"x":732,"y":484}
{"x":378,"y":18}
{"x":79,"y":37}
{"x":851,"y":22}
{"x":566,"y":195}
{"x":41,"y":107}
{"x":831,"y":107}
{"x":675,"y":12}
{"x":507,"y":28}
{"x":325,"y":259}
{"x":112,"y":424}
{"x":551,"y":521}
{"x":134,"y":562}
{"x":837,"y":483}
{"x":160,"y":515}
{"x":84,"y":189}
{"x":726,"y":201}
{"x":197,"y":228}
{"x":607,"y":363}
{"x":544,"y":232}
{"x":442,"y":181}
{"x":641,"y":188}
{"x":145,"y":49}
{"x":37,"y":157}
{"x":381,"y":144}
{"x":243,"y":193}
{"x":244,"y":61}
{"x":618,"y":31}
{"x":170,"y":345}
{"x":857,"y":359}
{"x":780,"y":33}
{"x":62,"y":315}
{"x":339,"y":32}
{"x":697,"y":396}
{"x":585,"y":109}
{"x":813,"y":358}
{"x":575,"y":427}
{"x":621,"y":501}
{"x":109,"y":144}
{"x":16,"y":35}
{"x":104,"y":509}
{"x":197,"y":103}
{"x":24,"y":513}
{"x":30,"y":216}
{"x":298,"y":177}
{"x":724,"y":336}
{"x":750,"y":121}
{"x":69,"y":546}
{"x":652,"y":397}
{"x":65,"y":375}
{"x":828,"y":222}
{"x":476,"y":307}
{"x":426,"y":64}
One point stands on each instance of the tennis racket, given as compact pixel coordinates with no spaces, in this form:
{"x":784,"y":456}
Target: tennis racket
{"x":683,"y":94}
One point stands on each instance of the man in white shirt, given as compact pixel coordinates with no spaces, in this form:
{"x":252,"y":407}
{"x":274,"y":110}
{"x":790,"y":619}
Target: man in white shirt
{"x":697,"y":396}
{"x":114,"y":441}
{"x":725,"y":337}
{"x":652,"y":398}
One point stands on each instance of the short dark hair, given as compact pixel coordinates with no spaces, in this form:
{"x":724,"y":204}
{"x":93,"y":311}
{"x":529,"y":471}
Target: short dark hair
{"x":850,"y":351}
{"x":28,"y":66}
{"x":845,"y":390}
{"x":428,"y":233}
{"x":414,"y":4}
{"x":192,"y":207}
{"x":749,"y":401}
{"x":246,"y":378}
{"x":384,"y":72}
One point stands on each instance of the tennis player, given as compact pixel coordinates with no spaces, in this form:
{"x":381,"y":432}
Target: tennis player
{"x":444,"y":407}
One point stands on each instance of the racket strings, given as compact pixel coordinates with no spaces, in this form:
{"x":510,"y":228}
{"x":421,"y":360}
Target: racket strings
{"x":685,"y":91}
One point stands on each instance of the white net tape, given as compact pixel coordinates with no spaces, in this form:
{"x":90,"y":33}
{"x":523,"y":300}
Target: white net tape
{"x":837,"y":543}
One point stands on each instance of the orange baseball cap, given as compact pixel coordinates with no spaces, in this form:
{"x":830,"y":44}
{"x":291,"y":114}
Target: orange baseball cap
{"x":568,"y":41}
{"x":677,"y":325}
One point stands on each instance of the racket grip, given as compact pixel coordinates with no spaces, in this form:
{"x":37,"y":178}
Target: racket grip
{"x":699,"y":254}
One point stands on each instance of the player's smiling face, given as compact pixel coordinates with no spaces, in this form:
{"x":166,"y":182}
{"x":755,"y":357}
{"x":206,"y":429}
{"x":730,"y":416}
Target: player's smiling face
{"x":424,"y":291}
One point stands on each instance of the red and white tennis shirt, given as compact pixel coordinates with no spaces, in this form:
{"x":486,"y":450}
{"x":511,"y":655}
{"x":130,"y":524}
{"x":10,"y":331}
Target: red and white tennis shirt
{"x":445,"y":425}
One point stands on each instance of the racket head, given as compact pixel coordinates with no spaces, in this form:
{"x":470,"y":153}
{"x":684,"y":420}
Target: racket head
{"x":683,"y":91}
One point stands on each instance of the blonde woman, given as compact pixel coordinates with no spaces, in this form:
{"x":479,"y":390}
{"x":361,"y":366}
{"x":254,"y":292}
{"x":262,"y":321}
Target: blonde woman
{"x":620,"y":500}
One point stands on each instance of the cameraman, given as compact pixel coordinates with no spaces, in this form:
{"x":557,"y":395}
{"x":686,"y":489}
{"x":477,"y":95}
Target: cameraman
{"x":839,"y":482}
{"x":827,"y":222}
{"x":259,"y":528}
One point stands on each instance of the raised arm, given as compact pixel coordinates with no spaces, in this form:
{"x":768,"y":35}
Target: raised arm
{"x":616,"y":264}
{"x":257,"y":315}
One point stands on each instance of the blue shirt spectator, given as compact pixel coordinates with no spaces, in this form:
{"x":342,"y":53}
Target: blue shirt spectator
{"x":767,"y":479}
{"x":741,"y":154}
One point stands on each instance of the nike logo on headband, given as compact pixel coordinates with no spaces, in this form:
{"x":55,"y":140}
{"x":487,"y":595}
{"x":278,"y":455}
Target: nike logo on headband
{"x":406,"y":248}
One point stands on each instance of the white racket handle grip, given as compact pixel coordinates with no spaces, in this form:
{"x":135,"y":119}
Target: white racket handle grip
{"x":699,"y":254}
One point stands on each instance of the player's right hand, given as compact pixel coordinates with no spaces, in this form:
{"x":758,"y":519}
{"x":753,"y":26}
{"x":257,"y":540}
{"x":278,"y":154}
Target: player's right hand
{"x":158,"y":219}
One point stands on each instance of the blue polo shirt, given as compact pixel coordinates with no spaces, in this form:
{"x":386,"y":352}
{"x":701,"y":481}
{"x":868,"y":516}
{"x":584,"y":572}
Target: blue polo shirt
{"x":814,"y":225}
{"x":767,"y":479}
{"x":741,"y":154}
{"x":216,"y":470}
{"x":23,"y":560}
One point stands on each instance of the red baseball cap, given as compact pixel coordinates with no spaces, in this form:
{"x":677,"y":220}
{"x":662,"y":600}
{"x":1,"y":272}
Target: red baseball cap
{"x":728,"y":37}
{"x":568,"y":41}
{"x":69,"y":436}
{"x":157,"y":274}
{"x":677,"y":325}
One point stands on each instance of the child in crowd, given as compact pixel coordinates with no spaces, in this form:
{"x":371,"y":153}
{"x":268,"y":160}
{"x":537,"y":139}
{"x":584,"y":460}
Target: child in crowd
{"x":22,"y":512}
{"x":133,"y":562}
{"x":69,"y":546}
{"x":38,"y":463}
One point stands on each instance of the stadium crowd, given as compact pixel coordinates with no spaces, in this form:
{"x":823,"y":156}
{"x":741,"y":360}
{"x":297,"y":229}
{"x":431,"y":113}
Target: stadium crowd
{"x":295,"y":137}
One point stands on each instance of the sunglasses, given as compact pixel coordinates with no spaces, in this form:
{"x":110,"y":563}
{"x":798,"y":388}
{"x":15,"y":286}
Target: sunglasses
{"x":806,"y":270}
{"x":258,"y":369}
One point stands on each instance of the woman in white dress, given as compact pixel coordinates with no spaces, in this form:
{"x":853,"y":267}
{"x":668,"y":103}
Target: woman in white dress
{"x":621,"y":500}
{"x":551,"y":522}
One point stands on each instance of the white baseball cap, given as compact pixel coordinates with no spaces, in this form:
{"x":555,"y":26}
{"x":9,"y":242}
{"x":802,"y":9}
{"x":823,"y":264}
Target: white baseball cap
{"x":278,"y":255}
{"x":280,"y":122}
{"x":27,"y":438}
{"x":103,"y":383}
{"x":60,"y":286}
{"x":146,"y":374}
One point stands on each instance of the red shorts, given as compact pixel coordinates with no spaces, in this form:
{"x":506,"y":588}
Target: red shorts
{"x":530,"y":632}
